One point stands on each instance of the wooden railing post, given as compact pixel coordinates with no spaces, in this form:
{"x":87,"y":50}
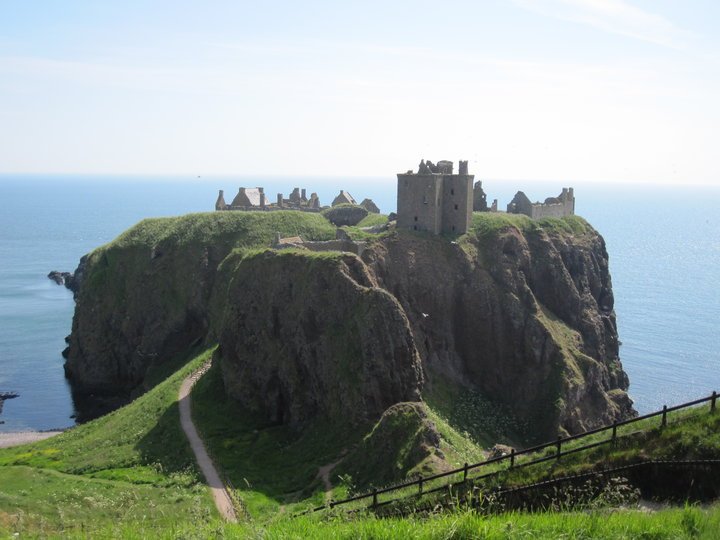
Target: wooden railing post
{"x":713,"y":400}
{"x":559,"y":446}
{"x":614,"y":432}
{"x":374,"y":497}
{"x":420,"y":485}
{"x":465,"y":471}
{"x":664,"y":416}
{"x":512,"y":458}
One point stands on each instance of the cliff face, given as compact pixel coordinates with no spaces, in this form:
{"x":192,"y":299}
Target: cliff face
{"x":520,"y":310}
{"x":307,"y":335}
{"x":145,"y":297}
{"x":526,"y":317}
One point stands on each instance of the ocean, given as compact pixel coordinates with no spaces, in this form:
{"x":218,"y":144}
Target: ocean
{"x":663,"y":241}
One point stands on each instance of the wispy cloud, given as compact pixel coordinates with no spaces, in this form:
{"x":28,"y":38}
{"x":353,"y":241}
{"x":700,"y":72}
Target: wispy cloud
{"x":614,"y":16}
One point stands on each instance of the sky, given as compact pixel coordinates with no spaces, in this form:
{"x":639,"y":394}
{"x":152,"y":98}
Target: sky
{"x":571,"y":90}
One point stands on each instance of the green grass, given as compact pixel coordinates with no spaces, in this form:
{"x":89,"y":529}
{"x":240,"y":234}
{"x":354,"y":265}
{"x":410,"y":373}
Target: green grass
{"x":46,"y":502}
{"x":140,"y":443}
{"x":272,"y":467}
{"x":189,"y":240}
{"x":132,"y":465}
{"x":243,"y":229}
{"x":120,"y":490}
{"x":458,"y":446}
{"x":690,"y":434}
{"x":610,"y":524}
{"x":489,"y":223}
{"x":372,"y":220}
{"x":475,"y":417}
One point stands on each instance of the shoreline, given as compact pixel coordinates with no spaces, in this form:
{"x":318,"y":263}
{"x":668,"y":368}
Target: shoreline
{"x":16,"y":438}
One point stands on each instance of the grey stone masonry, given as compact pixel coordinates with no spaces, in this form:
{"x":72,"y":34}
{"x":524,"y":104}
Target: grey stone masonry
{"x":434,"y":199}
{"x":560,"y":206}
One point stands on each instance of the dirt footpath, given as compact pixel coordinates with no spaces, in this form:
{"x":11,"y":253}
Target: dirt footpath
{"x":220,"y":495}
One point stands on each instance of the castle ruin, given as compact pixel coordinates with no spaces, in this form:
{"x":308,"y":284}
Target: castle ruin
{"x":560,"y":206}
{"x":249,"y":199}
{"x":434,"y":199}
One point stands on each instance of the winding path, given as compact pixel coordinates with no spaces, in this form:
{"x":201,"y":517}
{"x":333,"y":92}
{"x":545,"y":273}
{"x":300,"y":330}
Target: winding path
{"x":217,"y":488}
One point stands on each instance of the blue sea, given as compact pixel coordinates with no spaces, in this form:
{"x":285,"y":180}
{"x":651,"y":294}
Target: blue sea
{"x":663,"y":241}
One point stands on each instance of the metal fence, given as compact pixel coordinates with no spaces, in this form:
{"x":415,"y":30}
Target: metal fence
{"x":511,"y":458}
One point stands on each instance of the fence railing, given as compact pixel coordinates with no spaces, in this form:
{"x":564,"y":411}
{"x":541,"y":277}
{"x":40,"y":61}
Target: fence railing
{"x":513,"y":455}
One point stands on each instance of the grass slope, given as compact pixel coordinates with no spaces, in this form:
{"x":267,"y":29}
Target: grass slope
{"x":270,"y":467}
{"x":132,"y":465}
{"x":240,"y":229}
{"x":690,"y":434}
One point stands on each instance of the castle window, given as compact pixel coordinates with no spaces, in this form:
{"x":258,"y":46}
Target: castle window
{"x":453,"y":228}
{"x":456,"y":207}
{"x":415,"y":218}
{"x":452,"y":192}
{"x":415,"y":227}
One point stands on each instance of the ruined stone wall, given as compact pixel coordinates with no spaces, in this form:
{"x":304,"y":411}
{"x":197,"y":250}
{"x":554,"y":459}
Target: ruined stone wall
{"x":272,"y":208}
{"x":560,"y":206}
{"x":336,"y":245}
{"x":538,"y":211}
{"x":457,"y":203}
{"x":419,"y":202}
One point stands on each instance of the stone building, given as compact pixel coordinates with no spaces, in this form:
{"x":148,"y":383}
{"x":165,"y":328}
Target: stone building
{"x":562,"y":205}
{"x":255,"y":199}
{"x":343,"y":198}
{"x":434,"y":199}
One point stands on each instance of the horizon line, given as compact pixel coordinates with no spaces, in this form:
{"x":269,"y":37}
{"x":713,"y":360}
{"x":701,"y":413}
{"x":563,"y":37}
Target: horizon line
{"x":187,"y":177}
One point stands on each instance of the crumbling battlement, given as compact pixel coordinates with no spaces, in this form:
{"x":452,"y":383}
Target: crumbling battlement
{"x":434,"y":199}
{"x":560,"y":206}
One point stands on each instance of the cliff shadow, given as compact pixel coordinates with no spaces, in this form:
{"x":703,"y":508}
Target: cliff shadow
{"x":272,"y":462}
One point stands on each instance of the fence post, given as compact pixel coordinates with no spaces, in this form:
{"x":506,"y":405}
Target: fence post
{"x":512,"y":458}
{"x":374,"y":497}
{"x":465,"y":471}
{"x":664,"y":416}
{"x":712,"y":401}
{"x":614,"y":432}
{"x":559,"y":443}
{"x":420,"y":483}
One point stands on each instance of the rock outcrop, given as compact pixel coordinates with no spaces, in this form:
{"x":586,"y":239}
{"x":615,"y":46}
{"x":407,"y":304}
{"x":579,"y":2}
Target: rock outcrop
{"x":145,"y":297}
{"x":526,"y":317}
{"x":71,"y":280}
{"x":521,"y":311}
{"x":307,"y":335}
{"x":403,"y":443}
{"x":345,"y":214}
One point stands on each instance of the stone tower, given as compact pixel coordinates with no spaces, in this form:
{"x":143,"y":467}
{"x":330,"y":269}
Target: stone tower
{"x":434,"y":199}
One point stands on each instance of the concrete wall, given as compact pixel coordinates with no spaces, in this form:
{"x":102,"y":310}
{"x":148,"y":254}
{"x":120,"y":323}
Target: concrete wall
{"x":418,"y":202}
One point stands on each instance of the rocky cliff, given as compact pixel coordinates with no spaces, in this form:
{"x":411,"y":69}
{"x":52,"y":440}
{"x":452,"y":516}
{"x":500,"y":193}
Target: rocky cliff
{"x":521,"y":311}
